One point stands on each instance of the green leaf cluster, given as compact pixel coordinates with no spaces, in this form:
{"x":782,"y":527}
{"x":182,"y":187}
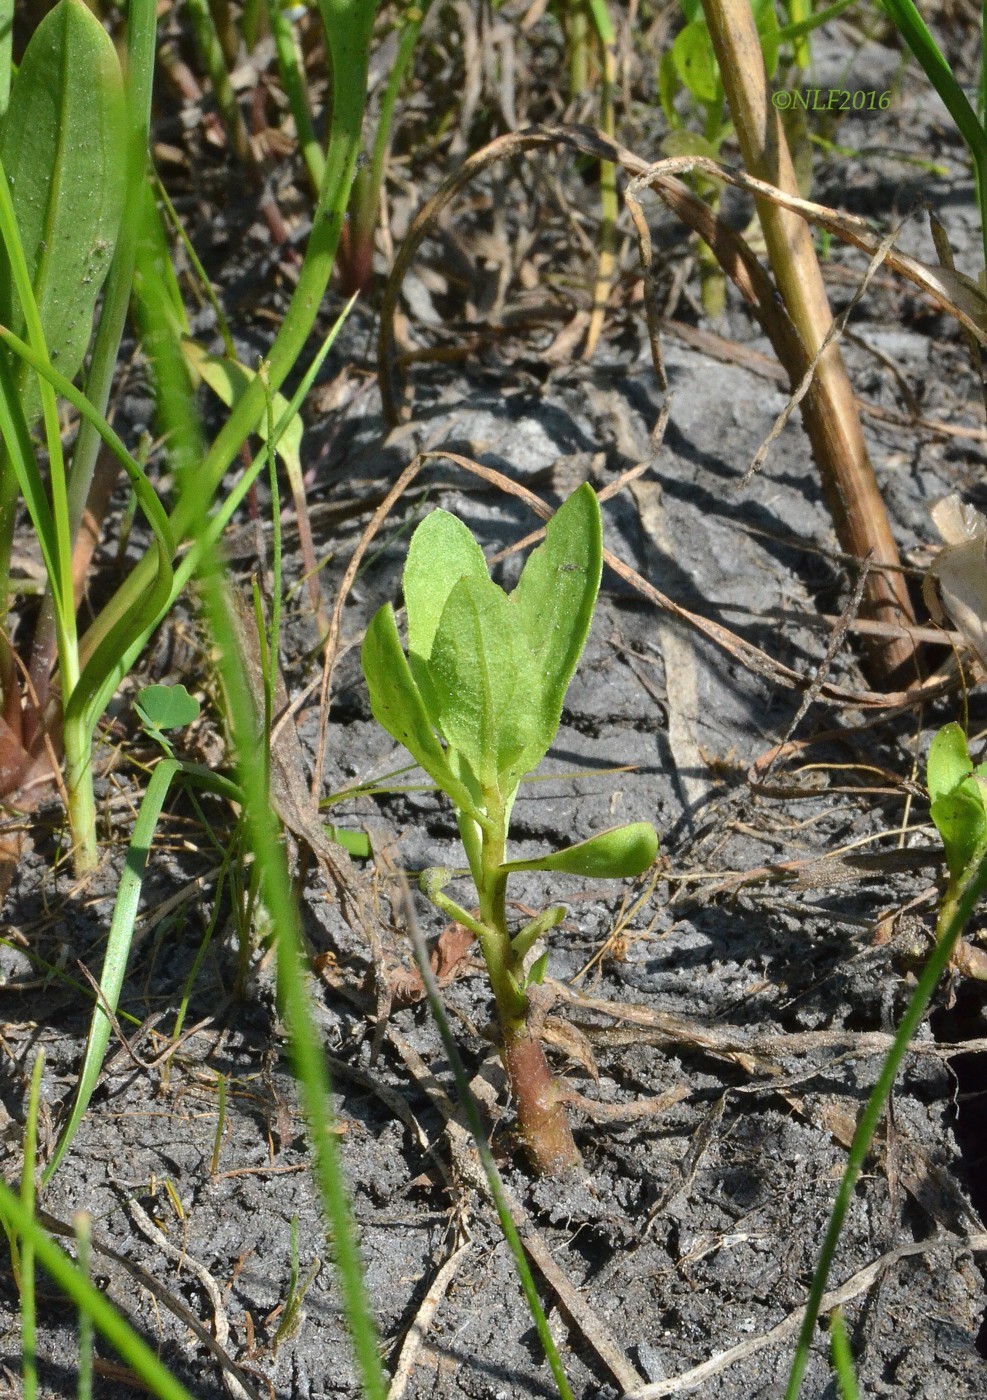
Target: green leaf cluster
{"x":478,"y":698}
{"x":958,"y":791}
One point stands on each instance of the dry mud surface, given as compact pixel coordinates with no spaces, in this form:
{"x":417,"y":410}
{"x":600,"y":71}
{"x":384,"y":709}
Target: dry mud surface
{"x":753,"y":1015}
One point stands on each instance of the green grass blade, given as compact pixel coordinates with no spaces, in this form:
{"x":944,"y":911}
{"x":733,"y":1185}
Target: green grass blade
{"x":121,"y":1336}
{"x":83,"y":1224}
{"x":496,"y":1185}
{"x":27,"y":1280}
{"x":348,"y":29}
{"x":292,"y":72}
{"x":117,"y":950}
{"x":846,"y":1377}
{"x":264,"y":836}
{"x":117,"y":653}
{"x":956,"y":913}
{"x":913,"y":30}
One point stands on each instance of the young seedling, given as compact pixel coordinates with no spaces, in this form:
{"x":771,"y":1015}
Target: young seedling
{"x":477,"y":701}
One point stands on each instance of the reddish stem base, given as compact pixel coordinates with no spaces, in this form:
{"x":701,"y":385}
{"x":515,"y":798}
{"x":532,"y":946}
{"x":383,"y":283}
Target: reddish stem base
{"x":541,"y":1111}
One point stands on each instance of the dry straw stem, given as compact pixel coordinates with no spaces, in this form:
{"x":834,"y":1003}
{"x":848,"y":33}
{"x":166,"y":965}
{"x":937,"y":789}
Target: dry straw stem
{"x":829,"y":412}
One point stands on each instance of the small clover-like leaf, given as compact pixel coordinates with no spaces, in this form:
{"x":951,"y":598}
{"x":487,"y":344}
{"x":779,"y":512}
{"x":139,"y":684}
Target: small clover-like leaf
{"x":167,"y":706}
{"x":619,"y":853}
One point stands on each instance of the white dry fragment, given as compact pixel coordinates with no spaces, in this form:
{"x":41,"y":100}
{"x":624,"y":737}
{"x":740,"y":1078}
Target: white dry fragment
{"x":960,"y":571}
{"x":418,"y":1330}
{"x":859,"y":1283}
{"x":221,"y":1326}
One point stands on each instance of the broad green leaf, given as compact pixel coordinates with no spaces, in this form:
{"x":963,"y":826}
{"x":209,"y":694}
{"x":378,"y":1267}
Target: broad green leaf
{"x":230,"y":381}
{"x":63,"y":150}
{"x":442,"y":551}
{"x":961,"y":821}
{"x":398,"y":706}
{"x":688,"y":143}
{"x":695,"y":63}
{"x":554,"y":600}
{"x":480,"y":672}
{"x":949,"y":760}
{"x":167,"y":706}
{"x":617,"y":854}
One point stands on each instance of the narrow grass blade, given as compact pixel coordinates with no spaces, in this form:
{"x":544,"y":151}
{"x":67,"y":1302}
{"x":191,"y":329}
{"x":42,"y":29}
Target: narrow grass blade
{"x":117,"y":950}
{"x":27,"y":1280}
{"x":846,"y":1377}
{"x":121,"y":1336}
{"x":956,"y":914}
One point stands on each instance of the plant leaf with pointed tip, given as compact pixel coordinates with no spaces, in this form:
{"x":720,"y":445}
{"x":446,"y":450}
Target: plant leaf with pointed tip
{"x":480,"y":673}
{"x":230,"y":381}
{"x":619,"y":853}
{"x":398,"y":706}
{"x":949,"y":760}
{"x":63,"y":149}
{"x":554,"y":600}
{"x":961,"y":820}
{"x":442,"y":551}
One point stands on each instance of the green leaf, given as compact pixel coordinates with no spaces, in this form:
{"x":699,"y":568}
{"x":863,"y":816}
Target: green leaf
{"x":961,"y":820}
{"x":442,"y":551}
{"x":357,"y":843}
{"x":554,"y":598}
{"x":617,"y":854}
{"x":536,"y":973}
{"x":949,"y":760}
{"x":526,"y":938}
{"x":480,"y":673}
{"x":695,"y":63}
{"x":767,"y":30}
{"x":167,"y":706}
{"x":230,"y":381}
{"x":398,"y":706}
{"x":63,"y":150}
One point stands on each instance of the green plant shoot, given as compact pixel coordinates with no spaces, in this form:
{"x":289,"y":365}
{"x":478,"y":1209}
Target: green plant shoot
{"x":477,"y":701}
{"x":958,"y":791}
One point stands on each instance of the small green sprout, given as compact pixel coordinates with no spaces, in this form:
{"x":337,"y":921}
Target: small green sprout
{"x":958,"y":791}
{"x":477,"y":701}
